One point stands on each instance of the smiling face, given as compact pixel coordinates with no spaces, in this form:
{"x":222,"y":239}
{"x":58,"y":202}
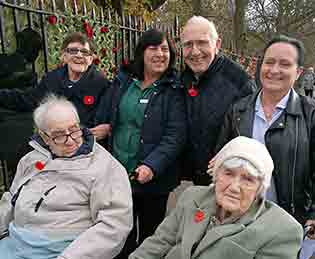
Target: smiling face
{"x":199,"y":50}
{"x":235,"y":190}
{"x":156,"y":59}
{"x":78,"y":61}
{"x":279,"y":69}
{"x":63,"y":124}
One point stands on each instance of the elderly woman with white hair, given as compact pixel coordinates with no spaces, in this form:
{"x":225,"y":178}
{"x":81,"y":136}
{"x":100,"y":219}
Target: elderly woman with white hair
{"x":230,"y":218}
{"x":70,"y":198}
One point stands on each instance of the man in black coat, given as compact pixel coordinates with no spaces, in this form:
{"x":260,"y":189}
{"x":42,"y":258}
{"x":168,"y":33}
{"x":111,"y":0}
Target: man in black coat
{"x":212,"y":82}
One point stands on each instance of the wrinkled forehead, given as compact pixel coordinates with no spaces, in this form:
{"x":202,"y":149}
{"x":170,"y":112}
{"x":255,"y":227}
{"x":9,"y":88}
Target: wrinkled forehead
{"x":61,"y":120}
{"x":196,"y":31}
{"x":282,"y":50}
{"x":240,"y":165}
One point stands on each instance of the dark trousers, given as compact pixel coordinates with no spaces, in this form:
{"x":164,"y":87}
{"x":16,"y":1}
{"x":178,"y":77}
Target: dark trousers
{"x":203,"y":179}
{"x":148,"y":212}
{"x":309,"y":92}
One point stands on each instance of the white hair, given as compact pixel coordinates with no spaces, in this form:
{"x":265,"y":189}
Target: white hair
{"x":42,"y":113}
{"x":238,"y":162}
{"x":198,"y":20}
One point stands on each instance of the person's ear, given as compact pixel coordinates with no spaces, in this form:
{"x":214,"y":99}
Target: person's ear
{"x":44,"y":137}
{"x":64,"y":58}
{"x":299,"y":72}
{"x":218,"y":43}
{"x":90,"y":59}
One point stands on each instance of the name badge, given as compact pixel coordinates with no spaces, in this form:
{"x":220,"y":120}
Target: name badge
{"x":144,"y":100}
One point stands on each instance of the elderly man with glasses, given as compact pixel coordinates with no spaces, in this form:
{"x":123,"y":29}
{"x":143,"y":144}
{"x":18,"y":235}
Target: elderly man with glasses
{"x":212,"y":83}
{"x":70,"y":198}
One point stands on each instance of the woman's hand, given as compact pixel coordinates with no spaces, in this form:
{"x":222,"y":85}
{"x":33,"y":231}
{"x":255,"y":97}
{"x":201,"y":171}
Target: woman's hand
{"x":101,"y":131}
{"x":211,"y":165}
{"x":144,"y":174}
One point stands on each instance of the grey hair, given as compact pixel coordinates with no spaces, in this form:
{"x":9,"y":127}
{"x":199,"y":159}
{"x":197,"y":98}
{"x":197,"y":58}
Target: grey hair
{"x":197,"y":20}
{"x":237,"y":162}
{"x":42,"y":113}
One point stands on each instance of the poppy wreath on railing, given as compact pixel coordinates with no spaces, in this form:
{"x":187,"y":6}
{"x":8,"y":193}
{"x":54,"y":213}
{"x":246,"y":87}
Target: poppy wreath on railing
{"x":101,"y":34}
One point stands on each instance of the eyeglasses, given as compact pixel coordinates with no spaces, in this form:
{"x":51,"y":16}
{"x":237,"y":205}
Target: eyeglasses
{"x":62,"y":139}
{"x":75,"y":51}
{"x":200,"y":44}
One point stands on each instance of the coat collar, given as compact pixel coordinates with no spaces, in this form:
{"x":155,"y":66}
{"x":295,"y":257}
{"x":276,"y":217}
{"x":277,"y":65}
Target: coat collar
{"x":197,"y":236}
{"x":169,"y":79}
{"x":293,"y":106}
{"x":80,"y":160}
{"x":188,"y":76}
{"x":63,"y":73}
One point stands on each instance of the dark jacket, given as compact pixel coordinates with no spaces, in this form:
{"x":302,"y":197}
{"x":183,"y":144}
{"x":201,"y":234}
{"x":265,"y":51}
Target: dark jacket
{"x":220,"y":86}
{"x":291,"y":143}
{"x":163,"y":130}
{"x":84,"y":94}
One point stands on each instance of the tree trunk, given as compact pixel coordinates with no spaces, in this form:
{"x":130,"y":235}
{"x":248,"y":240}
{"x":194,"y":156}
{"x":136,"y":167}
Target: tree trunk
{"x":196,"y":5}
{"x":240,"y":38}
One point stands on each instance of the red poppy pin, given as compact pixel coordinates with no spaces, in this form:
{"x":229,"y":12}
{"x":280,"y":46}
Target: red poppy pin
{"x":39,"y":165}
{"x":192,"y":91}
{"x":88,"y":100}
{"x":199,"y":216}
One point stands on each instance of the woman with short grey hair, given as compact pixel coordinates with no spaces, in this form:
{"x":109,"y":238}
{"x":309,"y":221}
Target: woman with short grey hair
{"x":230,"y":218}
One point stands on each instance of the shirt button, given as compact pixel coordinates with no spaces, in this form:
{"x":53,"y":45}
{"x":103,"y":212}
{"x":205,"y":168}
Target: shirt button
{"x":281,"y":124}
{"x":145,"y":116}
{"x":141,"y":141}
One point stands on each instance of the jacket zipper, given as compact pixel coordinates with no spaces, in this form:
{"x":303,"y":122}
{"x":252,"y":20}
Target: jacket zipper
{"x":294,"y":164}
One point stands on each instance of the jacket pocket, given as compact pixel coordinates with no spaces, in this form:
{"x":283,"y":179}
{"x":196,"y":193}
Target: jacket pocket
{"x":231,"y":249}
{"x":174,"y":253}
{"x":225,"y":248}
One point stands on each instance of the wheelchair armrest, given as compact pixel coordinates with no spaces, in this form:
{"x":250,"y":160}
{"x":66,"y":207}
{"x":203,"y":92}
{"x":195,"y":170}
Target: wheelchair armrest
{"x":4,"y":234}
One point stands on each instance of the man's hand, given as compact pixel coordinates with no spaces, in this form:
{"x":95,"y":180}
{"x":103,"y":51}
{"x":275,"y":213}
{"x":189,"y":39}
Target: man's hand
{"x":144,"y":174}
{"x":101,"y":131}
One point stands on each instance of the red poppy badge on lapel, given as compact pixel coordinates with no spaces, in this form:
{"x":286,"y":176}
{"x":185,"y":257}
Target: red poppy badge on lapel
{"x":88,"y":100}
{"x":39,"y":165}
{"x":192,"y":91}
{"x":199,"y":216}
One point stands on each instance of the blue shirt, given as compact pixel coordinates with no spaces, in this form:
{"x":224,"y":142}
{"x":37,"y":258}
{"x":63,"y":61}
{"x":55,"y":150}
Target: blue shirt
{"x":29,"y":244}
{"x":261,"y":125}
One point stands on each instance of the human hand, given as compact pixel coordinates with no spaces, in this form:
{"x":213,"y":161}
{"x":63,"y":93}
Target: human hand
{"x":310,"y":228}
{"x":211,"y":165}
{"x":144,"y":174}
{"x":101,"y":131}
